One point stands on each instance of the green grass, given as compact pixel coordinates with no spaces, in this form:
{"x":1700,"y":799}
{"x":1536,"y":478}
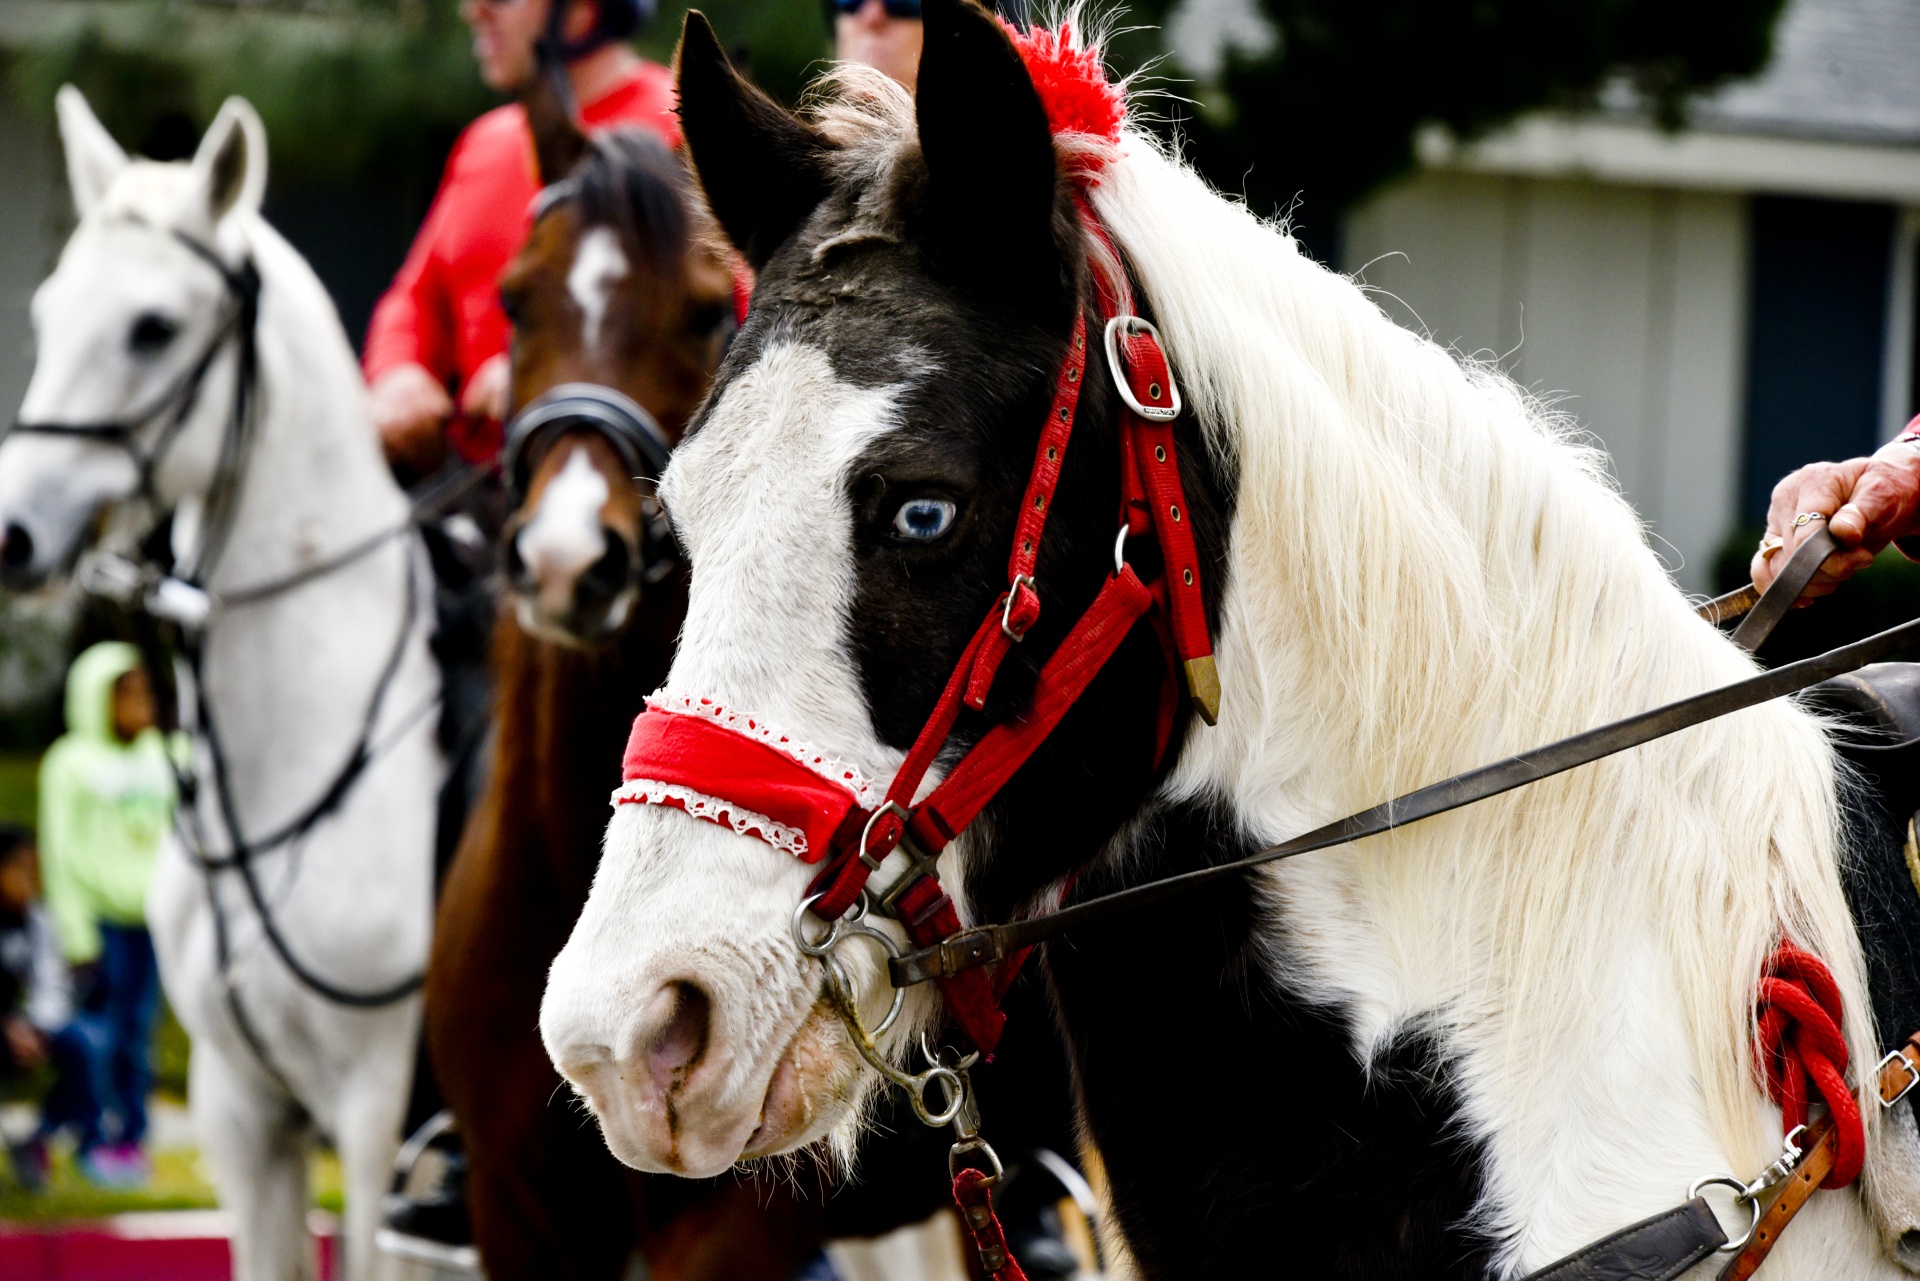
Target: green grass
{"x":19,"y":787}
{"x":179,"y":1183}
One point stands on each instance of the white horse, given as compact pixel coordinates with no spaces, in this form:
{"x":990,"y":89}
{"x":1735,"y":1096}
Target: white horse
{"x":131,"y":407}
{"x":1464,"y":1049}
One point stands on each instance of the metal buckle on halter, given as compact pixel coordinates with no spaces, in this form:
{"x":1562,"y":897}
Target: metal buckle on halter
{"x":1913,"y":1076}
{"x":866,"y":833}
{"x":1006,"y":611}
{"x":919,"y":863}
{"x":1139,"y":325}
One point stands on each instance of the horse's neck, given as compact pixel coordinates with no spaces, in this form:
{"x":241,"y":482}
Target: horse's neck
{"x":562,"y":721}
{"x":315,"y":483}
{"x":300,"y":669}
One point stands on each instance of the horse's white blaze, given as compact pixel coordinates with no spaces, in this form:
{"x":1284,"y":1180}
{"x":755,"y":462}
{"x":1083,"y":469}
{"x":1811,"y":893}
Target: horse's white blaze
{"x":565,"y":533}
{"x":759,"y":498}
{"x":599,"y":263}
{"x":288,"y":680}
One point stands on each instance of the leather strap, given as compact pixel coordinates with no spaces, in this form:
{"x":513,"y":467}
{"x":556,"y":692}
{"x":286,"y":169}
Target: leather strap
{"x":1900,"y":1072}
{"x":1785,"y":590}
{"x":1655,"y":1249}
{"x":1735,"y":604}
{"x":1019,"y":609}
{"x":1787,"y":1202}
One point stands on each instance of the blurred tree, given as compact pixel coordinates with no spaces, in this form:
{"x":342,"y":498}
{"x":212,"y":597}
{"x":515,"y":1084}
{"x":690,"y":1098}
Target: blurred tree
{"x":367,"y":95}
{"x":1321,"y":100}
{"x":354,"y":93}
{"x":1313,"y":102}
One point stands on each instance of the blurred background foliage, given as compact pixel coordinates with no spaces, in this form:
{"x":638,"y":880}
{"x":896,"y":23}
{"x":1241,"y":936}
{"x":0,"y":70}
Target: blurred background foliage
{"x":361,"y":93}
{"x":1319,"y":100}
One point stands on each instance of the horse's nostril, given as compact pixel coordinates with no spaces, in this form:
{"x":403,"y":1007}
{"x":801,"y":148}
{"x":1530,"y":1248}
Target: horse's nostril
{"x":678,"y":1046}
{"x":17,"y":551}
{"x":607,"y":577}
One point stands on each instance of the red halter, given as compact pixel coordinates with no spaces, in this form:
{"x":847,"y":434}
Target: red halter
{"x":726,"y":767}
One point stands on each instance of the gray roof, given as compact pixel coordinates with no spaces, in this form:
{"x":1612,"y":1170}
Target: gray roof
{"x":1847,"y":70}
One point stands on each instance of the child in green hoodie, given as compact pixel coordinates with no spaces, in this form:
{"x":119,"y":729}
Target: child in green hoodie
{"x":106,"y":802}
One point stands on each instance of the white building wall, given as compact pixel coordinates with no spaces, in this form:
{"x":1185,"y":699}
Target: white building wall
{"x":1626,"y":305}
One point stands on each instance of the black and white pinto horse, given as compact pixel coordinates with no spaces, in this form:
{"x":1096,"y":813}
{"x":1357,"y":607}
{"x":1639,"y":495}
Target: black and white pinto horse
{"x":1463,"y":1049}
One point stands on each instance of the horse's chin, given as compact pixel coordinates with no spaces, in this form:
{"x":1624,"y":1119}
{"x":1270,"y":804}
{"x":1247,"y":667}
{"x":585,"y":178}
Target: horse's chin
{"x":810,"y":1092}
{"x":578,"y":629}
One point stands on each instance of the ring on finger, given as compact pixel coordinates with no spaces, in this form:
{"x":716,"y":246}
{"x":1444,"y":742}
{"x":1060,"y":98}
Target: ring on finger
{"x":1807,"y":518}
{"x":1771,"y":544}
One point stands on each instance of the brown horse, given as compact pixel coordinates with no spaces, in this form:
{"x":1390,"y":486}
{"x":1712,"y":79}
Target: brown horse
{"x":620,"y":286}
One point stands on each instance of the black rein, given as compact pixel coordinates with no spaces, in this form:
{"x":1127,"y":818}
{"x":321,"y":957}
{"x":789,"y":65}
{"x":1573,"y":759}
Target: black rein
{"x":989,"y":944}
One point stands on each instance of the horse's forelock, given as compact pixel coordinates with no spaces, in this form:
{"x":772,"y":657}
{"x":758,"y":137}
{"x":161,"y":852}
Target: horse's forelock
{"x":629,"y":181}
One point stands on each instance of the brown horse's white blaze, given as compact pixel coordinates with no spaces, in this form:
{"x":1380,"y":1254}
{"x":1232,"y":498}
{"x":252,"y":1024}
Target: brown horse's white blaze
{"x":599,"y":300}
{"x":573,"y":547}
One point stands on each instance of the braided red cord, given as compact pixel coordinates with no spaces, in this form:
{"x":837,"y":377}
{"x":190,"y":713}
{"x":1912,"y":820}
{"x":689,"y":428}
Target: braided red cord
{"x":1803,"y":1053}
{"x":973,"y":1194}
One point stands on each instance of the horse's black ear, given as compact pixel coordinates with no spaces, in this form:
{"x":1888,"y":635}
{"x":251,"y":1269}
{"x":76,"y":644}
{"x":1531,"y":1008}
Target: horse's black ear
{"x":990,"y":167}
{"x":547,"y":98}
{"x":763,"y":169}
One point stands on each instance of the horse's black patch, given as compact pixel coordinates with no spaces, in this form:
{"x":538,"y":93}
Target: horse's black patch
{"x":1239,"y":1131}
{"x":1237,"y":1126}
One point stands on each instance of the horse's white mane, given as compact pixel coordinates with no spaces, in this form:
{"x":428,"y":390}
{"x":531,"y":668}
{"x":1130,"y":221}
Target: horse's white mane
{"x":1429,"y":573}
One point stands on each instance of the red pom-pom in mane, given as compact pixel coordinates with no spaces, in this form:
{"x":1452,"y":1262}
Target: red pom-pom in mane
{"x":1071,"y":82}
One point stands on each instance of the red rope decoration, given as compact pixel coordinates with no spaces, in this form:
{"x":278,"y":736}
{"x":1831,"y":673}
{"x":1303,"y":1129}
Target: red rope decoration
{"x":1803,"y":1053}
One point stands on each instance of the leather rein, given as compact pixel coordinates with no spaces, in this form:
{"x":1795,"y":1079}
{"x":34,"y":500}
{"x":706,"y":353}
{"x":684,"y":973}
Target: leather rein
{"x":989,"y":944}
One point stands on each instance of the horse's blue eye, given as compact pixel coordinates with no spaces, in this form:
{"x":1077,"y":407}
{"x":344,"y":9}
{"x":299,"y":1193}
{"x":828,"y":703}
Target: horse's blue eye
{"x":923,"y":519}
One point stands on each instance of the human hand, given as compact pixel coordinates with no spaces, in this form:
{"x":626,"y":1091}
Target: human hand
{"x":1867,"y":503}
{"x":409,"y":407}
{"x":25,"y":1042}
{"x":486,"y":392}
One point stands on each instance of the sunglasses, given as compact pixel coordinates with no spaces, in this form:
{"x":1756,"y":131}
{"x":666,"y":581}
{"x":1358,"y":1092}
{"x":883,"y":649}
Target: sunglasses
{"x":894,"y":8}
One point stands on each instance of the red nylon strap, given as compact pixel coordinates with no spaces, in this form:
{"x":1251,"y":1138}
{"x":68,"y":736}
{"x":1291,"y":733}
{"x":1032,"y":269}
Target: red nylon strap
{"x":1049,"y":457}
{"x":960,"y":797}
{"x":973,"y":1194}
{"x":841,"y":882}
{"x":978,"y":778}
{"x":739,"y":779}
{"x":1803,"y":1053}
{"x":1158,"y":465}
{"x":930,"y":916}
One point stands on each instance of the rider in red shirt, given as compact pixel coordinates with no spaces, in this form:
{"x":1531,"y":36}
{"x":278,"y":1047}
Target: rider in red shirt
{"x":440,"y":322}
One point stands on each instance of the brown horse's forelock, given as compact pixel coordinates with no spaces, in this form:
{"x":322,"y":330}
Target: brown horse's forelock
{"x":629,"y":181}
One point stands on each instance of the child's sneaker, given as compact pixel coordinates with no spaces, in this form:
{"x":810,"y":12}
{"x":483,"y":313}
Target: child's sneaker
{"x":30,"y":1164}
{"x":115,"y":1165}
